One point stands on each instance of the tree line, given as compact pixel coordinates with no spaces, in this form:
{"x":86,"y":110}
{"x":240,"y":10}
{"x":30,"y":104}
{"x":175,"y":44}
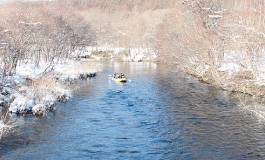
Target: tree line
{"x":40,"y":31}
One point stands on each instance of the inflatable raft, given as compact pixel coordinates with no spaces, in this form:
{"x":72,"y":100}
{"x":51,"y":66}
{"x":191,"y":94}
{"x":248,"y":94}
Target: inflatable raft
{"x":119,"y":79}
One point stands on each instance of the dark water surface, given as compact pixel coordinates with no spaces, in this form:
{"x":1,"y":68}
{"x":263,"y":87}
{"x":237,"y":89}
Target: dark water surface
{"x":160,"y":114}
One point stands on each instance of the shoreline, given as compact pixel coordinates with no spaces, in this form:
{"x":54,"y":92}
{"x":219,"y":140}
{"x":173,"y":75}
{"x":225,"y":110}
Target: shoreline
{"x":36,"y":89}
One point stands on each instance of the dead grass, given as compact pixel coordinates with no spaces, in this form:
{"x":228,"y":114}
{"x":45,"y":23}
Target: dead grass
{"x":48,"y":85}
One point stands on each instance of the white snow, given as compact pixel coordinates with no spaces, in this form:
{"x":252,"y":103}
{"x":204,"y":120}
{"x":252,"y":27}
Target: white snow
{"x":49,"y":99}
{"x":62,"y":94}
{"x":21,"y":104}
{"x":30,"y":23}
{"x":4,"y":31}
{"x":230,"y":68}
{"x":215,"y":16}
{"x":231,"y":63}
{"x":135,"y":54}
{"x":25,"y":103}
{"x":39,"y":109}
{"x":30,"y":70}
{"x":6,"y":90}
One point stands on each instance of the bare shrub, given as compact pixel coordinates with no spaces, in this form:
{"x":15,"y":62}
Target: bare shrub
{"x":49,"y":85}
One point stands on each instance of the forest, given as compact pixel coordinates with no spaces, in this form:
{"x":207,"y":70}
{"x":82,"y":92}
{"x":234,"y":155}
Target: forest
{"x":219,"y":41}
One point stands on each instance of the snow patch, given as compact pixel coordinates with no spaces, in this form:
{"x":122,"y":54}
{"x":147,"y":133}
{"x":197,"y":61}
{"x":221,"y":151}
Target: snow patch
{"x":6,"y":90}
{"x":49,"y":99}
{"x":21,"y":104}
{"x":230,"y":67}
{"x":62,"y":94}
{"x":135,"y":54}
{"x":3,"y":98}
{"x":39,"y":109}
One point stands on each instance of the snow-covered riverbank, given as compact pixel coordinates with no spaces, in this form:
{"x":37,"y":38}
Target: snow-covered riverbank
{"x":117,"y":53}
{"x":35,"y":89}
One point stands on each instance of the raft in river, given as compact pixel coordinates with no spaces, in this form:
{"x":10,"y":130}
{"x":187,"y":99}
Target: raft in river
{"x":119,"y":79}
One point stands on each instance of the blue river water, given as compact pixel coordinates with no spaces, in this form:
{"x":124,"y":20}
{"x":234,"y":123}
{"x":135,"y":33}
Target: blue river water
{"x":159,"y":114}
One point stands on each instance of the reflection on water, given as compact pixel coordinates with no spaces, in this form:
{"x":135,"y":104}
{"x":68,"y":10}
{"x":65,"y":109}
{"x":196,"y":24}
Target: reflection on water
{"x":161,"y":114}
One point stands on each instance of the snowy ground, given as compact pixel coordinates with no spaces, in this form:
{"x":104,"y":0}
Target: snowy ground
{"x":45,"y":91}
{"x":132,"y":54}
{"x":234,"y":63}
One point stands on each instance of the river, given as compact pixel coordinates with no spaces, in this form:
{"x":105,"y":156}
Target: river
{"x":159,"y":114}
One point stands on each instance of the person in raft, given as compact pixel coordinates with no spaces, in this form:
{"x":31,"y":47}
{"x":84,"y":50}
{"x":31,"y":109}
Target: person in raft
{"x":122,"y":75}
{"x":116,"y":75}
